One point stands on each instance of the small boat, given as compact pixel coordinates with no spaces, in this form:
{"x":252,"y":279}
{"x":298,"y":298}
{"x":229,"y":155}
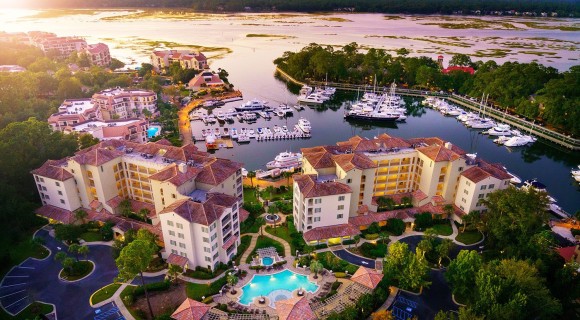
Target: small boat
{"x":234,"y":133}
{"x":240,"y":116}
{"x":285,"y":129}
{"x":217,"y":132}
{"x":211,"y":119}
{"x":249,"y":116}
{"x":515,"y":179}
{"x":501,"y":140}
{"x":244,"y":172}
{"x":264,"y":115}
{"x":229,"y":117}
{"x":243,"y":132}
{"x":226,"y":133}
{"x":260,"y":131}
{"x":534,"y":183}
{"x":304,"y":125}
{"x":298,"y":107}
{"x":221,"y":116}
{"x":204,"y":132}
{"x":279,"y":113}
{"x":286,"y":109}
{"x":243,"y":139}
{"x":500,"y":130}
{"x":210,"y":143}
{"x":251,"y":134}
{"x":519,"y":141}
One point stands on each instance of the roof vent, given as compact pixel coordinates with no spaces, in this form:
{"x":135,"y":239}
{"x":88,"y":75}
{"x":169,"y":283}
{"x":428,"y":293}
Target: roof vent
{"x":448,"y":145}
{"x":182,"y":167}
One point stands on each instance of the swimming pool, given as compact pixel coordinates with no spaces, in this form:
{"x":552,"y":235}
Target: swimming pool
{"x":277,"y":286}
{"x":152,"y":132}
{"x":267,"y":261}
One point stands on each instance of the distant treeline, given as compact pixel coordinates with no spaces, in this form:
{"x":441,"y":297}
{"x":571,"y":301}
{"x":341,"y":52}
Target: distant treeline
{"x":529,"y":89}
{"x":393,"y":6}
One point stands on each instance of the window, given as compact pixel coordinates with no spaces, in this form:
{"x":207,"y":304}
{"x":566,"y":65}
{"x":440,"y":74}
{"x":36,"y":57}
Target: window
{"x":316,"y":219}
{"x":213,"y":236}
{"x":317,"y":201}
{"x":341,"y":198}
{"x":460,"y":169}
{"x":62,"y":201}
{"x":183,"y":254}
{"x":180,"y":236}
{"x":317,"y":210}
{"x":204,"y":229}
{"x":463,"y":200}
{"x":57,"y":183}
{"x":173,"y":195}
{"x":348,"y":180}
{"x":170,"y":223}
{"x":41,"y":179}
{"x":179,"y":225}
{"x":341,"y":207}
{"x":481,"y":196}
{"x":206,"y":250}
{"x":47,"y":197}
{"x":215,"y":256}
{"x":212,"y":226}
{"x":44,"y":188}
{"x":59,"y":193}
{"x":465,"y":191}
{"x":483,"y":187}
{"x":173,"y":251}
{"x":182,"y":245}
{"x":206,"y":240}
{"x":462,"y":208}
{"x":491,"y":186}
{"x":468,"y":183}
{"x":172,"y":233}
{"x":214,"y":246}
{"x":339,"y":216}
{"x":208,"y":259}
{"x":173,"y":242}
{"x":102,"y":169}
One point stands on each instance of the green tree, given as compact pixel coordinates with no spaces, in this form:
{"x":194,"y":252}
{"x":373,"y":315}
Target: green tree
{"x":133,"y":260}
{"x":116,"y":64}
{"x":405,"y":268}
{"x":287,"y":175}
{"x":232,"y":280}
{"x":125,"y":208}
{"x":403,"y":52}
{"x":396,"y":226}
{"x":80,"y":215}
{"x":74,"y":249}
{"x":144,"y":214}
{"x":461,"y":60}
{"x":67,"y":232}
{"x":462,"y":271}
{"x":423,"y":221}
{"x":385,"y":203}
{"x":69,"y":88}
{"x":173,"y":272}
{"x":316,"y":266}
{"x":252,"y":175}
{"x":84,"y":251}
{"x":87,"y":140}
{"x":443,"y":249}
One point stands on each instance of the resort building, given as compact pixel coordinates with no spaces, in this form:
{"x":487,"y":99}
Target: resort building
{"x":119,"y":103}
{"x":205,"y":79}
{"x":98,"y":54}
{"x":129,"y":129}
{"x":161,"y":59}
{"x":192,"y":199}
{"x":72,"y":112}
{"x":11,"y":68}
{"x":338,"y":192}
{"x":62,"y":46}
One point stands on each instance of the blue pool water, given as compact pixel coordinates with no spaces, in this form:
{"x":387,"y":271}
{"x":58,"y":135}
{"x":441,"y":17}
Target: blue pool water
{"x":152,"y":132}
{"x":278,"y":286}
{"x":267,"y":261}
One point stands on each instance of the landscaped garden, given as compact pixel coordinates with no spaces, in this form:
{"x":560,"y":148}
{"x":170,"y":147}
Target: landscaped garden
{"x":164,"y":296}
{"x":244,"y":244}
{"x":469,"y":237}
{"x":265,"y":242}
{"x":197,"y":291}
{"x":288,"y":232}
{"x":104,"y":293}
{"x":371,"y":250}
{"x":443,"y":229}
{"x":76,"y":271}
{"x":273,"y":194}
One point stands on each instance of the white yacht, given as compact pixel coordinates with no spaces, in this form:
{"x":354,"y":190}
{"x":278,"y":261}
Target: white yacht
{"x":519,"y":141}
{"x":310,"y":99}
{"x":221,"y":116}
{"x":285,"y":160}
{"x":249,"y":116}
{"x":500,"y":130}
{"x":286,"y":109}
{"x":234,"y":133}
{"x":304,"y":125}
{"x":252,"y":105}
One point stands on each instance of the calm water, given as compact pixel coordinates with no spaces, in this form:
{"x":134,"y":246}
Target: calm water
{"x":280,"y":284}
{"x":252,"y":71}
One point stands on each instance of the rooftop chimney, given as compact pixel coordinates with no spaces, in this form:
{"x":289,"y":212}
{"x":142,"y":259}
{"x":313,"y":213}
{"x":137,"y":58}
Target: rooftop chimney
{"x":448,"y":145}
{"x":182,"y":167}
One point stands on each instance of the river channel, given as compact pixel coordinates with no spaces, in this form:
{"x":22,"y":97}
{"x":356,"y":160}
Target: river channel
{"x":252,"y":71}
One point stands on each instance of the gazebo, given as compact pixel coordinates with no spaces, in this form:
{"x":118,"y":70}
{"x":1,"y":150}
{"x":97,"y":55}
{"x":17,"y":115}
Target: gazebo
{"x":191,"y":310}
{"x":369,"y":278}
{"x":296,"y":308}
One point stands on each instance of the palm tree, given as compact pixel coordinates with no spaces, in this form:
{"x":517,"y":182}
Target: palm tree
{"x":316,"y":266}
{"x":288,"y":175}
{"x":83,"y":250}
{"x":173,"y":271}
{"x":80,"y":215}
{"x":448,"y":209}
{"x":144,"y":213}
{"x":383,"y":235}
{"x":252,"y":175}
{"x":232,"y":280}
{"x":74,"y":249}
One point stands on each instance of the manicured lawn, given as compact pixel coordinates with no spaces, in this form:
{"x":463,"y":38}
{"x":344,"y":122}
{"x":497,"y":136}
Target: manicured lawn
{"x":282,"y":232}
{"x":370,"y":250}
{"x":196,"y":291}
{"x":36,"y":308}
{"x":251,"y":226}
{"x":244,"y":244}
{"x":443,"y":229}
{"x":271,"y":194}
{"x":264,"y":242}
{"x":81,"y":270}
{"x":105,"y":293}
{"x":250,"y":195}
{"x":469,"y":237}
{"x":91,"y":236}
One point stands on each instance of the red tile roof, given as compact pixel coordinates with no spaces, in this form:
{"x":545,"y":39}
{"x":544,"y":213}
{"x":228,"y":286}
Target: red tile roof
{"x":296,"y":308}
{"x":97,"y":156}
{"x":310,"y":188}
{"x":368,"y":277}
{"x":475,"y":174}
{"x":173,"y":175}
{"x":229,"y":243}
{"x":177,"y":260}
{"x":55,"y":213}
{"x":217,"y":171}
{"x":353,"y":160}
{"x":340,"y":230}
{"x":439,"y":153}
{"x":318,"y":160}
{"x":244,"y":214}
{"x":469,"y":70}
{"x":190,"y":310}
{"x":567,"y":253}
{"x":419,"y":195}
{"x":202,"y":213}
{"x":53,"y":169}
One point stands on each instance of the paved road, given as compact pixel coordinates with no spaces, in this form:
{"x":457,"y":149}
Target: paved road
{"x":354,"y":259}
{"x":42,"y":282}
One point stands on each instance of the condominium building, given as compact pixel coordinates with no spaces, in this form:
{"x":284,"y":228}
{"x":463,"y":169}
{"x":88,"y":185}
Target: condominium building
{"x":72,"y":112}
{"x":128,"y":129}
{"x":62,"y":46}
{"x":98,"y":54}
{"x":341,"y":183}
{"x":161,"y":59}
{"x":119,"y":103}
{"x":193,"y":199}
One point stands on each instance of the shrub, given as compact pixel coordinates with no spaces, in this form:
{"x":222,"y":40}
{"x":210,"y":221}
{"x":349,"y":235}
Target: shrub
{"x":151,"y":287}
{"x":423,"y":221}
{"x":372,"y":236}
{"x":351,"y":269}
{"x":395,"y":226}
{"x":373,"y":251}
{"x":347,"y":242}
{"x":340,"y":275}
{"x":373,"y":228}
